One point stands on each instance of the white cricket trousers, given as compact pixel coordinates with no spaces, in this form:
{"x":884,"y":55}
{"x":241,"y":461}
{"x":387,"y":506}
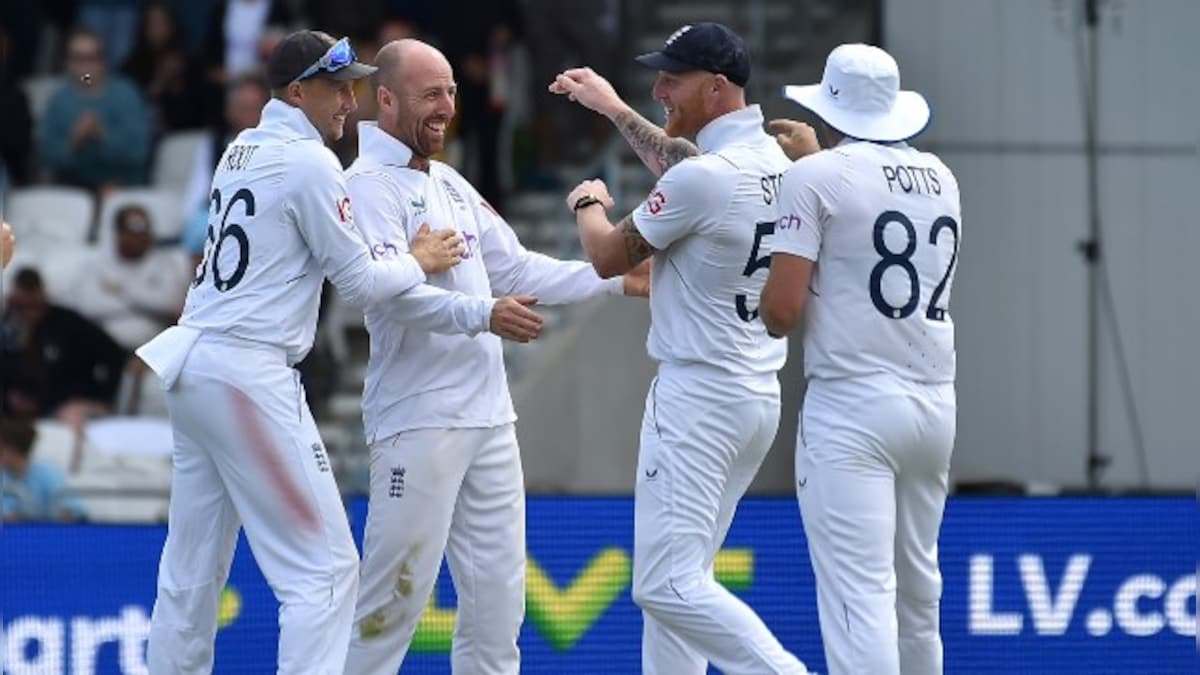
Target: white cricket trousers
{"x":248,"y":454}
{"x":872,"y":465}
{"x":704,"y":436}
{"x":457,"y":491}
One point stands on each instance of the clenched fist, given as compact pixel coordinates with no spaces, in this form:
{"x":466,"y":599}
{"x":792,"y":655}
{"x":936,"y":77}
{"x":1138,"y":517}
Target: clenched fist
{"x":513,"y":320}
{"x":8,"y":244}
{"x":589,"y":89}
{"x":595,"y":188}
{"x":796,"y":138}
{"x":436,"y":251}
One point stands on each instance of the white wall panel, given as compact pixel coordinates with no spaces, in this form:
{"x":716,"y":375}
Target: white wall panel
{"x":1004,"y":79}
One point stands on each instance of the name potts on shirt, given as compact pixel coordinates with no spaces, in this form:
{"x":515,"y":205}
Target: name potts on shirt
{"x":921,"y":180}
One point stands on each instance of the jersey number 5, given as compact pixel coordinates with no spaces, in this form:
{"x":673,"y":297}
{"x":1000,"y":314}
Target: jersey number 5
{"x":754,"y":264}
{"x":903,"y":260}
{"x":217,"y":241}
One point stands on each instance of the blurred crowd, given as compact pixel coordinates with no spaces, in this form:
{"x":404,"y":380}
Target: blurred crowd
{"x":113,"y":115}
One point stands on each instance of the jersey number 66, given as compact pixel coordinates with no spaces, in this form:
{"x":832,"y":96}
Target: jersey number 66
{"x":216,"y":241}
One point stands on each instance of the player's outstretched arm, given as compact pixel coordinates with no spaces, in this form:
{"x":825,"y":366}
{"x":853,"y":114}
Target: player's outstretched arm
{"x":797,"y":139}
{"x":653,"y":146}
{"x":612,"y":249}
{"x":783,"y":297}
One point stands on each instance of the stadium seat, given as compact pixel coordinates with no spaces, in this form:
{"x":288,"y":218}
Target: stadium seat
{"x":164,"y":206}
{"x":55,"y":444}
{"x":51,"y":226}
{"x":50,"y":215}
{"x":174,"y":158}
{"x":141,"y":436}
{"x":123,"y":488}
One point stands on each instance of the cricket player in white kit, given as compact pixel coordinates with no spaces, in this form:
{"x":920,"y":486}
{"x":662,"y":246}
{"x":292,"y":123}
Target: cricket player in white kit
{"x":445,"y":467}
{"x":247,"y":452}
{"x":712,"y":411}
{"x":865,"y":247}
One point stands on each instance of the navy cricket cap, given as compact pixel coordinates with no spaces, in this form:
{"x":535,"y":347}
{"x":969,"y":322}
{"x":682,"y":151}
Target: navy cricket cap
{"x":313,"y":53}
{"x":707,"y":46}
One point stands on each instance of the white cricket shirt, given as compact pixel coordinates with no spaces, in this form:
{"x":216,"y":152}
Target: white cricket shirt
{"x":416,"y":377}
{"x":883,"y":223}
{"x":711,"y":219}
{"x":280,"y":222}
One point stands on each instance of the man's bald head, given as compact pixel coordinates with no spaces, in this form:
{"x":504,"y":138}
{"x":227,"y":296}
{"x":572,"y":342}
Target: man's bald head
{"x":398,"y":58}
{"x":415,"y":89}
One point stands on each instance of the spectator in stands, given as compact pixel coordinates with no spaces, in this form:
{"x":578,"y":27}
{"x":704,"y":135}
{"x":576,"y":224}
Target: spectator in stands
{"x":24,"y":23}
{"x":16,"y":123}
{"x":95,"y":130}
{"x":562,"y":34}
{"x":395,"y":28}
{"x":31,"y":489}
{"x":160,"y":65}
{"x":243,"y":106}
{"x":235,"y":36}
{"x":54,"y":361}
{"x":133,"y":290}
{"x":479,"y":50}
{"x":116,"y":20}
{"x":357,"y":19}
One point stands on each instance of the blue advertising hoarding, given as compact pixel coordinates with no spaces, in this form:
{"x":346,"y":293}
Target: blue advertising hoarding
{"x":1064,"y":585}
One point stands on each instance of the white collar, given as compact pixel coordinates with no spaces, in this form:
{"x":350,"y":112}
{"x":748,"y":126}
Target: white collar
{"x":847,"y":140}
{"x":731,"y":127}
{"x":277,"y":113}
{"x":381,"y":146}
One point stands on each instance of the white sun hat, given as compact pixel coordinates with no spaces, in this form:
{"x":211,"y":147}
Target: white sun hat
{"x":860,"y":96}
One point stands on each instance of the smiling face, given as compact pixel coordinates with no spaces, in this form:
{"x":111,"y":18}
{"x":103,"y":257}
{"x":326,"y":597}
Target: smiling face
{"x":326,"y":103}
{"x":687,"y":99}
{"x":416,"y":97}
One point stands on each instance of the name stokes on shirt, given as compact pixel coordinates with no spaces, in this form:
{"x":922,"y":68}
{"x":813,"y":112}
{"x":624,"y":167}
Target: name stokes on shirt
{"x":770,"y":187}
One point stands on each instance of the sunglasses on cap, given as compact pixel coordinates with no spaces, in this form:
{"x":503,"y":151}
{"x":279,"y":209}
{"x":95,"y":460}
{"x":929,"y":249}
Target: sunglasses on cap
{"x":339,"y":55}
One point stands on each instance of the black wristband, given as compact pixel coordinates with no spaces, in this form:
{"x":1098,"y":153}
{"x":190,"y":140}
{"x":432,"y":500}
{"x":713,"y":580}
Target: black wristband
{"x":584,"y":202}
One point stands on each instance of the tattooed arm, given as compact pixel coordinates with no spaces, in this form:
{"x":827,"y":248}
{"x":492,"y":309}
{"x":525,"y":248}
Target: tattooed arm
{"x":657,"y":151}
{"x":653,"y":146}
{"x":612,"y":249}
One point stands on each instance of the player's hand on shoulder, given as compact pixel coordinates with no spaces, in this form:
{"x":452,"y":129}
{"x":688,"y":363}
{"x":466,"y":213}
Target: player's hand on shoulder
{"x":636,"y":282}
{"x":587,"y":88}
{"x":512,"y":318}
{"x":796,"y":138}
{"x":593,"y":188}
{"x":436,"y":250}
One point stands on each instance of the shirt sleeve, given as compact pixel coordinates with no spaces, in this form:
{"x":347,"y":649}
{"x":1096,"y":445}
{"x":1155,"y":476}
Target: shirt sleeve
{"x":686,"y":198}
{"x":383,"y":222}
{"x":323,"y":214}
{"x":513,"y":269}
{"x":803,"y":210}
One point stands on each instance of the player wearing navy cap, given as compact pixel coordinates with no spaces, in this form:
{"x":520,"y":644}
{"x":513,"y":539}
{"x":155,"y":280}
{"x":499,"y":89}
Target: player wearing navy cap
{"x":712,"y":411}
{"x":247,"y":452}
